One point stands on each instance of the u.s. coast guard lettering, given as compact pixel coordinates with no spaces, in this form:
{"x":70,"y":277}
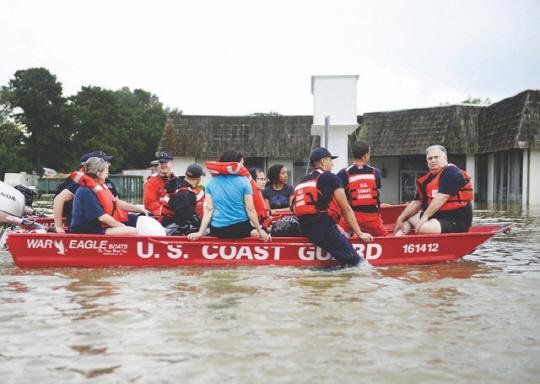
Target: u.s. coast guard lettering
{"x":367,"y":251}
{"x":229,"y":252}
{"x":249,"y":252}
{"x":211,"y":252}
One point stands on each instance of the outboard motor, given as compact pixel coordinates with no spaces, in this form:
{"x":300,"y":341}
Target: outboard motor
{"x":28,"y":194}
{"x":12,"y":202}
{"x":12,"y":208}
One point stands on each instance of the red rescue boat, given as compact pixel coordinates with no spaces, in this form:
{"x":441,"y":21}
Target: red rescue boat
{"x":389,"y":215}
{"x":35,"y":250}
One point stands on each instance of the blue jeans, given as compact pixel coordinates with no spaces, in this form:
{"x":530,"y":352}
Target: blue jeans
{"x":322,"y":231}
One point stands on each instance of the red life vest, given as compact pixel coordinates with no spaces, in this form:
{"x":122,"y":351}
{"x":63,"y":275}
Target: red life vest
{"x":104,"y":195}
{"x":166,"y":210}
{"x":427,"y":191}
{"x":361,"y":190}
{"x":308,"y":199}
{"x":232,"y":168}
{"x":199,"y":205}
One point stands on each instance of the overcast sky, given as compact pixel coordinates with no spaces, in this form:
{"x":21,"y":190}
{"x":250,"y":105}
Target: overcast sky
{"x":230,"y":57}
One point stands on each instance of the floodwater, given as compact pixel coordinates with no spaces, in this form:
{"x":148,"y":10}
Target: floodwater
{"x":476,"y":320}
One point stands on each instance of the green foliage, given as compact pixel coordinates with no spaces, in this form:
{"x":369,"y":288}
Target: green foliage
{"x":58,"y":131}
{"x":123,"y":124}
{"x":36,"y":96}
{"x":99,"y":119}
{"x":12,"y":150}
{"x":477,"y":100}
{"x":271,"y":113}
{"x":145,"y":124}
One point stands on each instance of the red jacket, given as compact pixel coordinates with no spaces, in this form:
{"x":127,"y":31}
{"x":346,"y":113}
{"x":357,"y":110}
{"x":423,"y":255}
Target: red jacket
{"x":154,"y":192}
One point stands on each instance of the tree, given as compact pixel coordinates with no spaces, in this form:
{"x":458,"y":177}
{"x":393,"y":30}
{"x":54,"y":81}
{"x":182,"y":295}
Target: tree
{"x":123,"y":124}
{"x":12,"y":150}
{"x":146,"y":120}
{"x":99,"y":124}
{"x":37,"y":94}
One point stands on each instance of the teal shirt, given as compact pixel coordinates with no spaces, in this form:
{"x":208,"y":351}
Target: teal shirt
{"x":228,"y":193}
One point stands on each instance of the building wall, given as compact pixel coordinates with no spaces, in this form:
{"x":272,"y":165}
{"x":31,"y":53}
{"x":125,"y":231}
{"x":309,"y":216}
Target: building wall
{"x":390,"y":184}
{"x":491,"y":178}
{"x":533,"y":176}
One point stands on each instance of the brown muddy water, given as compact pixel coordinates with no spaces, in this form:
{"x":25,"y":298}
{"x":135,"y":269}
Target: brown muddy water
{"x":471,"y":321}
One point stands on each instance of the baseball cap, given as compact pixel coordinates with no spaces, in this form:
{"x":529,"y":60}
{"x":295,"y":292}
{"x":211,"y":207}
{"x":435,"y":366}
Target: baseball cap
{"x":164,"y":156}
{"x":99,"y":154}
{"x":320,"y":153}
{"x":195,"y":170}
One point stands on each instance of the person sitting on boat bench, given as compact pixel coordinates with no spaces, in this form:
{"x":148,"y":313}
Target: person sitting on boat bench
{"x":66,"y":189}
{"x":95,"y":209}
{"x":312,"y":197}
{"x":230,"y":208}
{"x":154,"y":188}
{"x":442,"y":200}
{"x":181,"y":202}
{"x":362,"y":184}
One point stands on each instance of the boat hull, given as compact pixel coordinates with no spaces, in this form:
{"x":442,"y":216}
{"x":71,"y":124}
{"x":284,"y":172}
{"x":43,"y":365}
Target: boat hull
{"x":34,"y":250}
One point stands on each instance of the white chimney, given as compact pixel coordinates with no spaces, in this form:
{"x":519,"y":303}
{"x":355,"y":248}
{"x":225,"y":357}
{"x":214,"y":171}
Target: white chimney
{"x":335,"y":97}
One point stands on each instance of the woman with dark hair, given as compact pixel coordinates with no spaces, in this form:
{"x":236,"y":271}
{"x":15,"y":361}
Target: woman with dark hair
{"x":258,"y":176}
{"x":278,"y":196}
{"x":231,"y":155}
{"x":230,"y":209}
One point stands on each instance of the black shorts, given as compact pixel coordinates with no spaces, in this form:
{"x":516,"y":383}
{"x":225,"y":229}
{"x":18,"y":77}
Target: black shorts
{"x":450,"y":226}
{"x":234,"y":231}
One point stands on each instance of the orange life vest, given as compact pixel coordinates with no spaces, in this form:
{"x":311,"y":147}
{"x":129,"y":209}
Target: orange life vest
{"x":361,"y":190}
{"x":427,"y":191}
{"x":104,"y":195}
{"x":199,"y":205}
{"x":232,"y":168}
{"x":308,"y":199}
{"x":166,"y":210}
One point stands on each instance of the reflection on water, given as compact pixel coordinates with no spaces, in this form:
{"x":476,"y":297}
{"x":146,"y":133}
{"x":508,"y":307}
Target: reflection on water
{"x":474,"y":320}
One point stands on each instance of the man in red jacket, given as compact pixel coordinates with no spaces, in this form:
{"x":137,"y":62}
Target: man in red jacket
{"x":154,"y":188}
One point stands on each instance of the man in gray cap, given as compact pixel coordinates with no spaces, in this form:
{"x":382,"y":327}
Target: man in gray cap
{"x":183,"y":203}
{"x":313,"y":196}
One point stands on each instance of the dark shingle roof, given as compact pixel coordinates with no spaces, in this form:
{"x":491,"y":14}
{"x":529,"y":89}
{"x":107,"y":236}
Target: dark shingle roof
{"x":410,"y":132}
{"x":512,"y":123}
{"x":462,"y":129}
{"x":254,"y":136}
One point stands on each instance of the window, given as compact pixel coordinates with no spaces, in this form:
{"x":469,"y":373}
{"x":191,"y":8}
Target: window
{"x":300,"y":169}
{"x":255,"y":162}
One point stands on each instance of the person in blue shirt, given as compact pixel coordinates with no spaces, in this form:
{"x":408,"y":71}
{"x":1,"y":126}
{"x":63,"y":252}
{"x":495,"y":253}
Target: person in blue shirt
{"x":94,"y":209}
{"x":230,"y":211}
{"x":65,"y":193}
